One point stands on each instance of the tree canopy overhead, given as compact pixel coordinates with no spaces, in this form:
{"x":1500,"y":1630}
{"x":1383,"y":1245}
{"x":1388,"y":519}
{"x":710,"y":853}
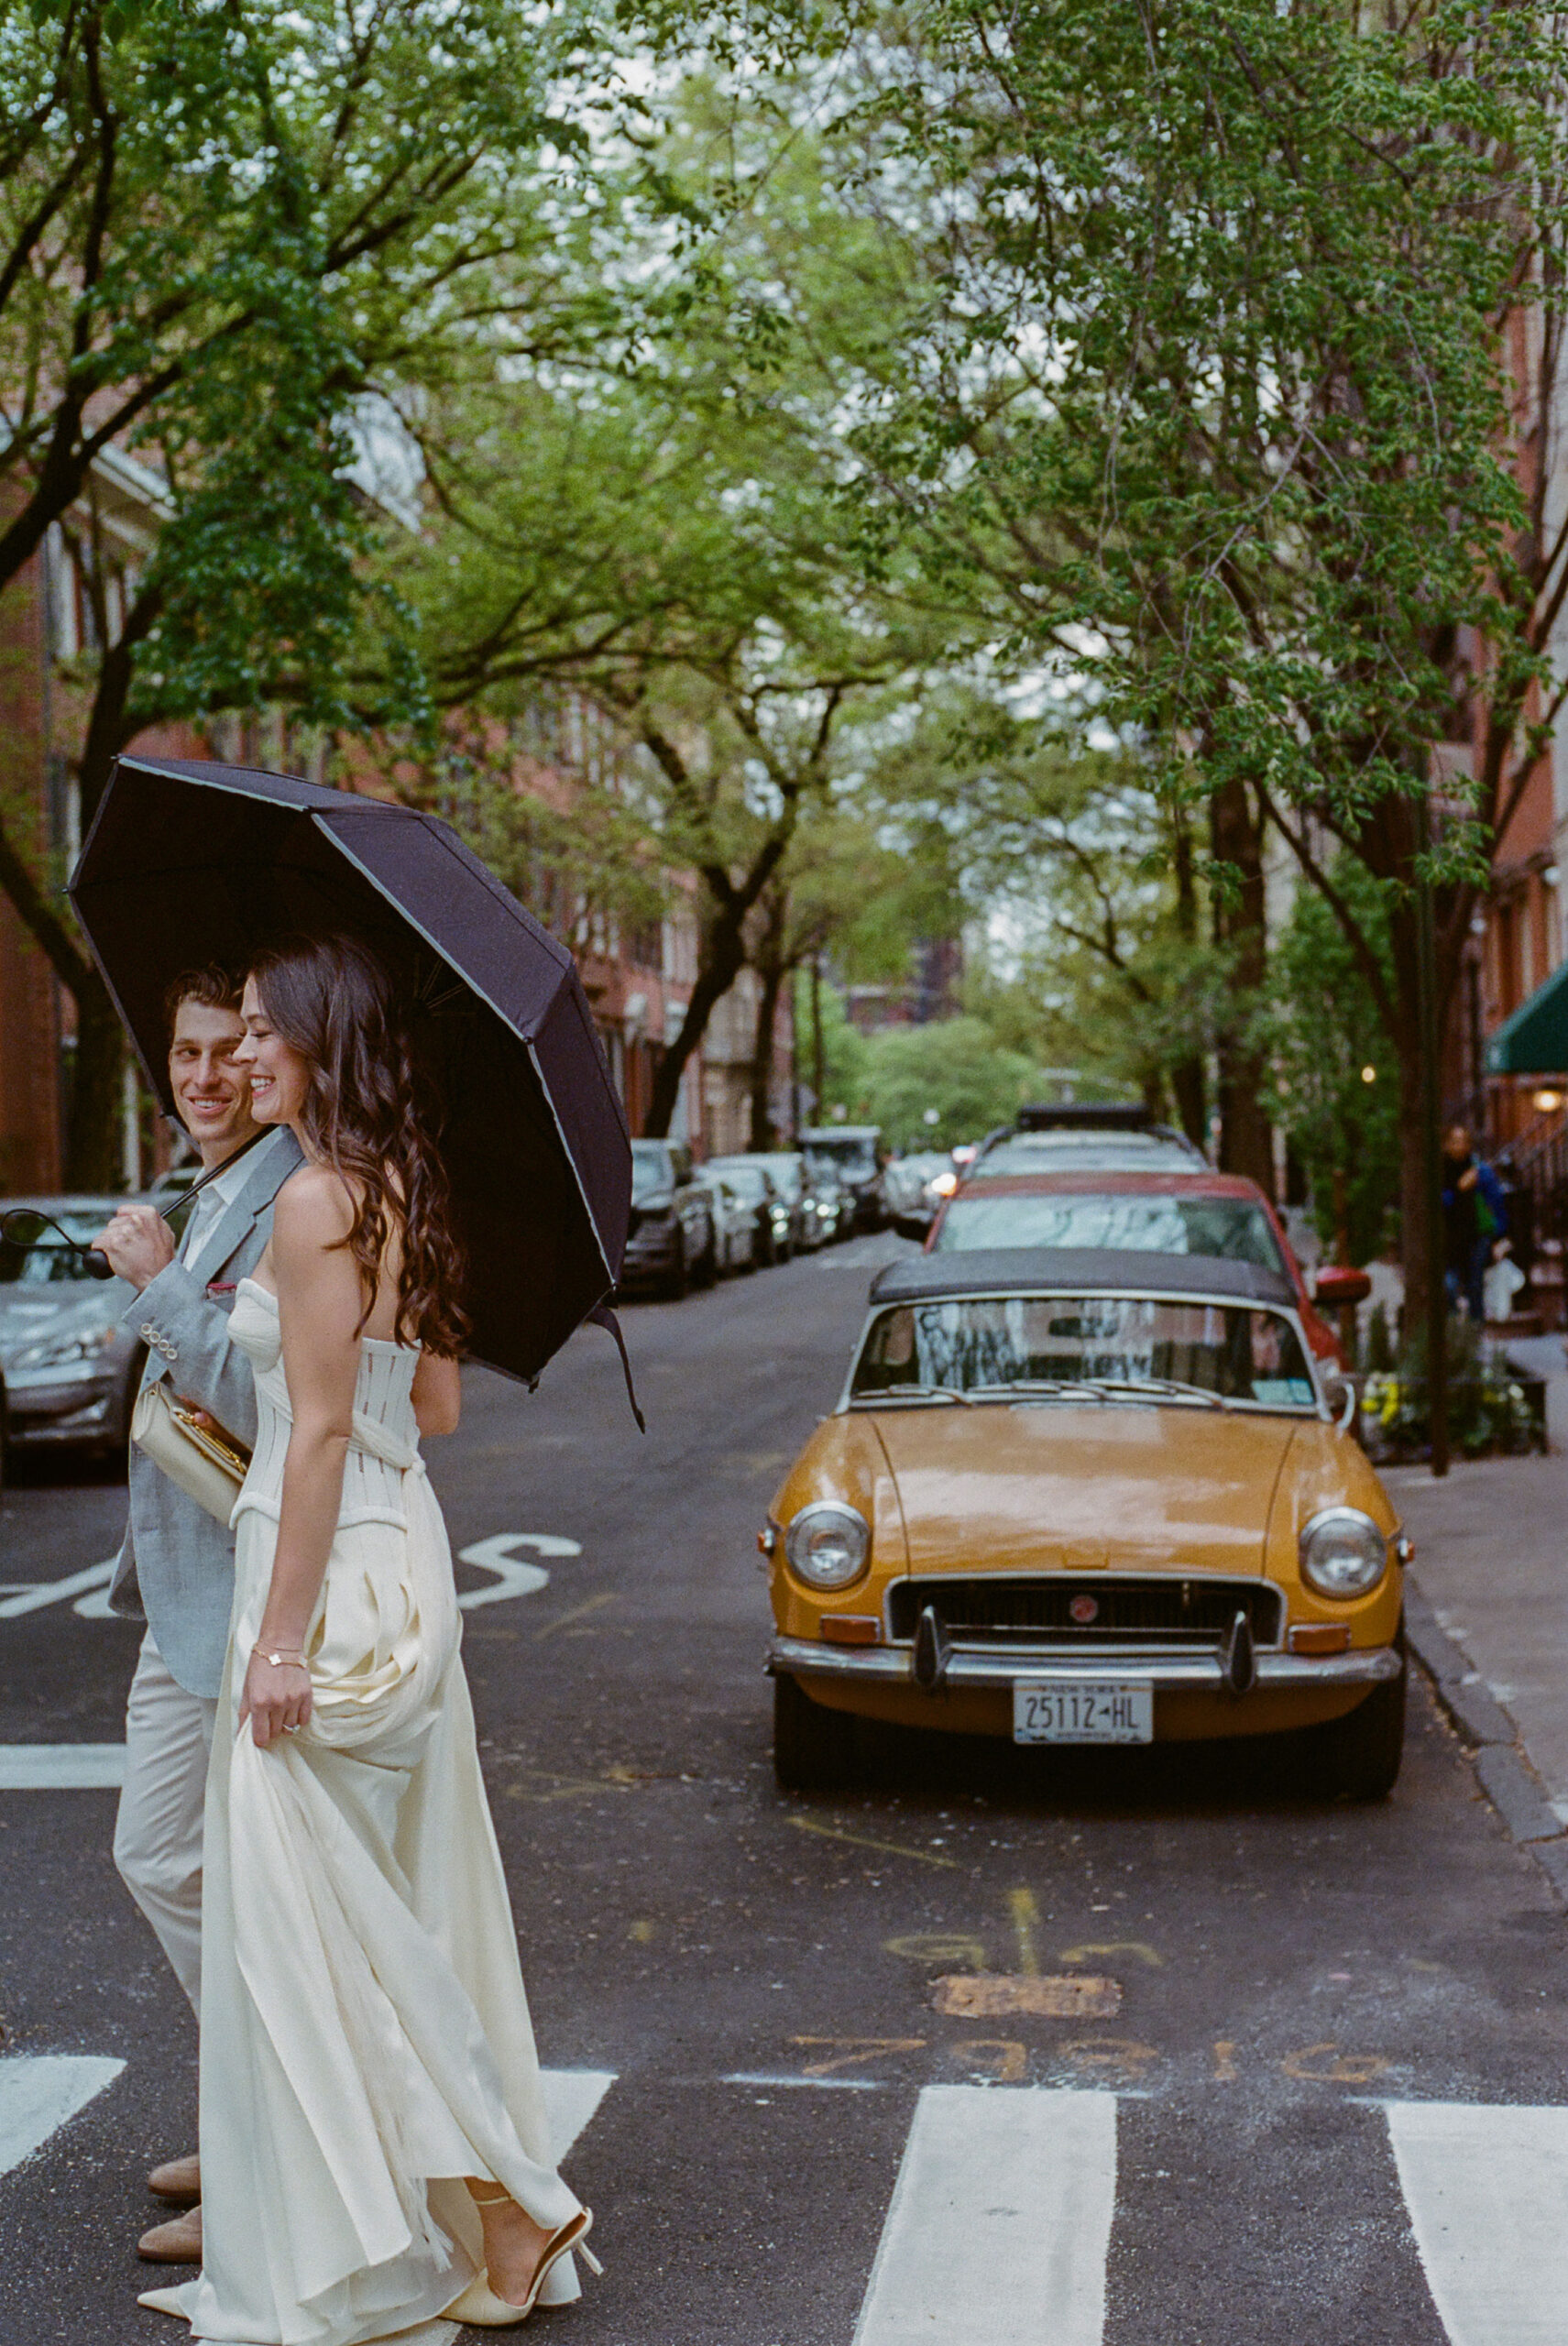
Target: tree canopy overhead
{"x":223,"y":231}
{"x":1226,"y":385}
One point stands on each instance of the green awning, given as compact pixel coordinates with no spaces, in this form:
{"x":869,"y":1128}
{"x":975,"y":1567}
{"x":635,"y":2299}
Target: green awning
{"x":1534,"y":1041}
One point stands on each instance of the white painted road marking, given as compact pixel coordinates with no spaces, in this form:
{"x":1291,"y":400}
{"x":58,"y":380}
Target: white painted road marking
{"x":511,"y":1577}
{"x":1000,"y":2223}
{"x":62,"y":1767}
{"x":41,"y":2093}
{"x":781,"y":2077}
{"x":31,"y":1596}
{"x":1487,"y":2191}
{"x":571,"y":2098}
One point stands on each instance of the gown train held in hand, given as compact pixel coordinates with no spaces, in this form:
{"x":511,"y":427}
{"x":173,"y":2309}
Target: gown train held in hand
{"x":365,"y":2041}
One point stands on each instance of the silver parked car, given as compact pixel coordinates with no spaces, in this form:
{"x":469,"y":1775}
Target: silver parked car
{"x":734,"y":1218}
{"x":70,"y":1368}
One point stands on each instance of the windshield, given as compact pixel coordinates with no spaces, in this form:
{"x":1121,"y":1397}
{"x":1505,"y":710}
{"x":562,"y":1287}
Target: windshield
{"x":1157,"y":1344}
{"x":786,"y":1171}
{"x":650,"y":1171}
{"x":855,"y":1153}
{"x":1235,"y":1229}
{"x":1086,"y":1152}
{"x":51,"y":1263}
{"x":745,"y":1180}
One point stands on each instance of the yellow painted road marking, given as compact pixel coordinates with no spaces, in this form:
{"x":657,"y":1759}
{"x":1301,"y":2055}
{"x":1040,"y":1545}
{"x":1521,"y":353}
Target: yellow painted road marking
{"x":1140,"y":1947}
{"x":860,"y":1841}
{"x":577,"y":1613}
{"x":1072,"y":1996}
{"x":869,"y":2047}
{"x":938,"y":1946}
{"x":1007,"y":2069}
{"x":1025,"y":1915}
{"x":1111,"y":2052}
{"x":1341,"y":2069}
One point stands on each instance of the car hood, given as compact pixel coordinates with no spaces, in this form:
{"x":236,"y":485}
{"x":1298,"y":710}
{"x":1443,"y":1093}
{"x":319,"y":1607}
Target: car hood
{"x":1055,"y":1485}
{"x":26,"y":1315}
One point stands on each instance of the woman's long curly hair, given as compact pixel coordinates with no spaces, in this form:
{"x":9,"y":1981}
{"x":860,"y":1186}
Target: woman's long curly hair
{"x":365,"y":1115}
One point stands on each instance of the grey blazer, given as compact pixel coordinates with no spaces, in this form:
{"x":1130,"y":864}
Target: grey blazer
{"x":175,"y":1569}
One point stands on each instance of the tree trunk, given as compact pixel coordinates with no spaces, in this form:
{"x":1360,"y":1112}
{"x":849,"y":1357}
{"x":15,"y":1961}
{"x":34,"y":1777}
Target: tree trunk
{"x":93,"y":1129}
{"x":1246,"y":1138}
{"x":721,"y":957}
{"x":92,"y":1144}
{"x":771,"y":974}
{"x":1187,"y":1076}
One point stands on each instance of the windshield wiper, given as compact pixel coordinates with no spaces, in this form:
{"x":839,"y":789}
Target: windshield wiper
{"x":913,"y":1393}
{"x":1052,"y":1386}
{"x":1160,"y":1385}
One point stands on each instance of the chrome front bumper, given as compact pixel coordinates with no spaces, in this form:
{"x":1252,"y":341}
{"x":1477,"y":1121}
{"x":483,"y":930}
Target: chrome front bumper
{"x":1164,"y":1670}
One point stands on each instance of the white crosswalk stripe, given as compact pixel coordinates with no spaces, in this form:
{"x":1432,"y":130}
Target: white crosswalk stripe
{"x":41,"y":2093}
{"x":1000,"y":2227}
{"x":1000,"y":2222}
{"x":1486,"y":2187}
{"x":62,"y":1767}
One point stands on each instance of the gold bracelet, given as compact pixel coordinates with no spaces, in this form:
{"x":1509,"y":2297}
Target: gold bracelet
{"x":295,"y":1661}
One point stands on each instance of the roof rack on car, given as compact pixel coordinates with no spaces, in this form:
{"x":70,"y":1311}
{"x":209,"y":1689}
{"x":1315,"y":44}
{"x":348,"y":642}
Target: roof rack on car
{"x":1083,"y":1270}
{"x":1097,"y":1118}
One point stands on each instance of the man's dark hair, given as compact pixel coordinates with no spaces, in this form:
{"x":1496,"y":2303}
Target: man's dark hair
{"x":213,"y":987}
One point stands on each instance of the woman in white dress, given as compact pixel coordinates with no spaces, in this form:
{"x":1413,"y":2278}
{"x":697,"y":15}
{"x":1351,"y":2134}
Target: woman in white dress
{"x":375,"y":2155}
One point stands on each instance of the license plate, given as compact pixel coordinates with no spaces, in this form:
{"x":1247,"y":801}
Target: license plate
{"x":1081,"y":1710}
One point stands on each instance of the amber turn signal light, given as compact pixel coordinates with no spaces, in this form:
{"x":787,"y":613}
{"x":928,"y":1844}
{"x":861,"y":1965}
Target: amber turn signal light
{"x":850,"y":1629}
{"x":1320,"y":1637}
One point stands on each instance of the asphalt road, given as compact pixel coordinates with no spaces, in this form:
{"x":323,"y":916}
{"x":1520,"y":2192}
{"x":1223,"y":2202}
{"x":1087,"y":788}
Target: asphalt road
{"x":1226,"y":2149}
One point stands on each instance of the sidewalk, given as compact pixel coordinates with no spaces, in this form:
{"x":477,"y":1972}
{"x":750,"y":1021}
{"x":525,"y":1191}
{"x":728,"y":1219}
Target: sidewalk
{"x":1488,"y":1613}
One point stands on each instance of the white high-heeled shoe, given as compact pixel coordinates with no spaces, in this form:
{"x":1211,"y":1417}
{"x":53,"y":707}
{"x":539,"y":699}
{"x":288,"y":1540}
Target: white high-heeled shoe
{"x":479,"y":2306}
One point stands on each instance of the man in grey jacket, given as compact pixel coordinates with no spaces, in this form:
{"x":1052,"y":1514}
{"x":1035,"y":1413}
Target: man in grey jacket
{"x":175,"y":1570}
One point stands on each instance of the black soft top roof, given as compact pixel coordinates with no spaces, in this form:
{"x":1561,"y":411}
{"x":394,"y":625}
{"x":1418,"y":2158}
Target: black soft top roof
{"x":1032,"y":1270}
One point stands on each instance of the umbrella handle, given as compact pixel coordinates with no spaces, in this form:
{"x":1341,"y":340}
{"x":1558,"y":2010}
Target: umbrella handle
{"x":98,"y":1265}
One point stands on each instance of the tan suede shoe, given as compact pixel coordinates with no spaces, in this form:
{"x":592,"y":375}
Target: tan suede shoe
{"x":177,"y":2179}
{"x":178,"y":2241}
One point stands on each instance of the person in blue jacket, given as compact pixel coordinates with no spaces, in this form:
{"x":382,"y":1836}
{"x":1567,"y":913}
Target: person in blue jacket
{"x":1475,"y":1220}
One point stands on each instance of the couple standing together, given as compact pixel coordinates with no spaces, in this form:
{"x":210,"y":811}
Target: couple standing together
{"x":303,"y":1821}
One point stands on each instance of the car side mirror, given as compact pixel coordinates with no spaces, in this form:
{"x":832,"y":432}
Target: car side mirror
{"x":1341,"y":1395}
{"x":912,"y":1225}
{"x":1338,"y":1285}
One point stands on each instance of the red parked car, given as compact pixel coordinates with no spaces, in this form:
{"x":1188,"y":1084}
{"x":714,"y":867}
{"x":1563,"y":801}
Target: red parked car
{"x":1171,"y":1211}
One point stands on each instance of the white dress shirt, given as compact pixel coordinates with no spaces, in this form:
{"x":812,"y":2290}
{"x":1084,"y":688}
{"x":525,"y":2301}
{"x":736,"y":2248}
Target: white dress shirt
{"x":218,"y":1193}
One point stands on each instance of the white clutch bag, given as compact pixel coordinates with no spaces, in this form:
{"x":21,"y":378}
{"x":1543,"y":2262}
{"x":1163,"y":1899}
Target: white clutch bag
{"x":207,"y":1465}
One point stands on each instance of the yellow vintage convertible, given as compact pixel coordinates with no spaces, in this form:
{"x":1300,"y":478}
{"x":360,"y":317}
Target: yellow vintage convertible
{"x":1087,"y":1497}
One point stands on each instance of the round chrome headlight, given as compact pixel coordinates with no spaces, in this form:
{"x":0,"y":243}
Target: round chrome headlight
{"x":827,"y":1543}
{"x":1343,"y":1552}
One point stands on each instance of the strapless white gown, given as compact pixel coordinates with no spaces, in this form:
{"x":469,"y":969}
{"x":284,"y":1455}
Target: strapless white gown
{"x":365,"y":2041}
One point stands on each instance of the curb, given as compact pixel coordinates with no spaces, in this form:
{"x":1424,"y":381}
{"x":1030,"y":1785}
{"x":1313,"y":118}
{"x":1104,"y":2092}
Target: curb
{"x":1501,"y":1766}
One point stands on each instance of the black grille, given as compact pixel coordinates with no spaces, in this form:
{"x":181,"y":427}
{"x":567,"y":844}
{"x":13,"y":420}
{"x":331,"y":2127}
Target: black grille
{"x":1169,"y":1608}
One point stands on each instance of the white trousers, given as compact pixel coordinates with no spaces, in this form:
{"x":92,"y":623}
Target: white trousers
{"x":158,"y":1834}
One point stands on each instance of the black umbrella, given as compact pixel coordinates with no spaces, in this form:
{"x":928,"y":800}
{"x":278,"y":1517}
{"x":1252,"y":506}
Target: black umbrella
{"x":189,"y":863}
